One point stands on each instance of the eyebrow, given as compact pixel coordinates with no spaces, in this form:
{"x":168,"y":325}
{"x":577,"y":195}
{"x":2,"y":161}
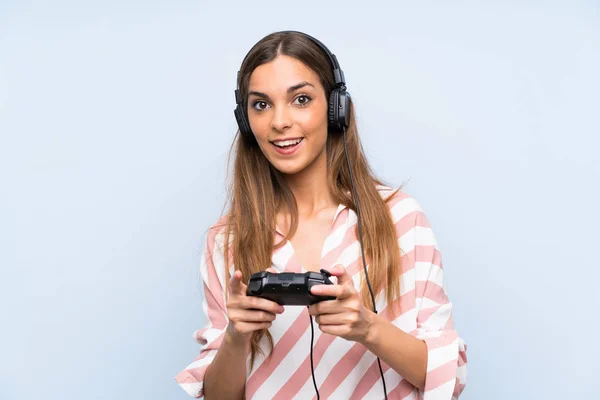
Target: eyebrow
{"x":290,"y":90}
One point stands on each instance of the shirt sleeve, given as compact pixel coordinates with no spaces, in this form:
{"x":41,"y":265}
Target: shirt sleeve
{"x":212,"y":271}
{"x":446,"y":351}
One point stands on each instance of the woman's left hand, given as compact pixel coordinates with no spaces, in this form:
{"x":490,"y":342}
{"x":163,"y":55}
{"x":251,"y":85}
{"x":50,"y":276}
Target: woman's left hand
{"x":346,"y":316}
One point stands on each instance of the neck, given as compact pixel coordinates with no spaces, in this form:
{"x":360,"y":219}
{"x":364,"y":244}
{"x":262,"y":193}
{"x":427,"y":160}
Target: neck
{"x":310,"y":188}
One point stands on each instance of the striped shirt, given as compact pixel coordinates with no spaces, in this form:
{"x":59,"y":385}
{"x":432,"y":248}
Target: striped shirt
{"x":343,"y":369}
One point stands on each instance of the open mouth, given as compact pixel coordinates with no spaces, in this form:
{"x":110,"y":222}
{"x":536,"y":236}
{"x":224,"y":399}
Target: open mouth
{"x":286,"y":144}
{"x":287,"y":147}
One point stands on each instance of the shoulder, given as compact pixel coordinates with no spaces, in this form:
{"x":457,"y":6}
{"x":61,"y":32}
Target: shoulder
{"x":396,"y":198}
{"x":215,"y":235}
{"x":405,"y":210}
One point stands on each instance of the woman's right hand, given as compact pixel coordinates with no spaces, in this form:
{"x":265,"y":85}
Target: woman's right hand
{"x":248,"y":313}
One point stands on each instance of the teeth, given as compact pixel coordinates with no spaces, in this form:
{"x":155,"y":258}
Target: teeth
{"x":283,"y":143}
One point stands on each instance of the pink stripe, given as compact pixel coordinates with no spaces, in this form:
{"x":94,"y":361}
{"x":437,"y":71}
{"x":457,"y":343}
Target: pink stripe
{"x":349,"y":237}
{"x":214,"y":285}
{"x":440,"y":375}
{"x":293,"y":264}
{"x":341,"y":370}
{"x":458,"y":388}
{"x":215,"y":312}
{"x":409,"y":221}
{"x":193,"y":375}
{"x":401,"y":391}
{"x":350,"y":359}
{"x":303,"y":373}
{"x":444,"y":339}
{"x":367,"y":381}
{"x":399,"y":196}
{"x":406,"y":303}
{"x":280,"y":350}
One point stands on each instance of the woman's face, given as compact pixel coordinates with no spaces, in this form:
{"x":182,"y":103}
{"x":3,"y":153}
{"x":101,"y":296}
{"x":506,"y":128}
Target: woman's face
{"x":287,"y":111}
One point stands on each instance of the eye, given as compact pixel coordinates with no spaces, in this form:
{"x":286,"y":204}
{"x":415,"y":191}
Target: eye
{"x":304,"y":100}
{"x":260,"y":105}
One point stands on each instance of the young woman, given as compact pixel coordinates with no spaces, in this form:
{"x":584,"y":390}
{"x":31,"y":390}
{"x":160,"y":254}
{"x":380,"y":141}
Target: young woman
{"x":292,"y":208}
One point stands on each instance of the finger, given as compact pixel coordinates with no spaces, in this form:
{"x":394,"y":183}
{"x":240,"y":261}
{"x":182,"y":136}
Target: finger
{"x":258,"y":303}
{"x":236,"y":284}
{"x":243,"y":315}
{"x":343,"y":277}
{"x":330,"y":319}
{"x":248,"y":327}
{"x":271,"y":270}
{"x":340,"y":292}
{"x":336,"y":330}
{"x":326,"y":307}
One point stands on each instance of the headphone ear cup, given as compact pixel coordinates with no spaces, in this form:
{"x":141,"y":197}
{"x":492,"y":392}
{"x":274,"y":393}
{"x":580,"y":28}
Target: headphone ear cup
{"x":339,"y":109}
{"x":333,"y":110}
{"x":242,"y":121}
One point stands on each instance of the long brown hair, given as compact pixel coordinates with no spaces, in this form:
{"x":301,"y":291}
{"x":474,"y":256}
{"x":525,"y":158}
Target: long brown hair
{"x":258,"y":191}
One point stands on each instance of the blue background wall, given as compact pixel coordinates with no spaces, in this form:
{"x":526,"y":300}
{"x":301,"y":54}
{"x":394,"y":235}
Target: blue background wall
{"x":115,"y":122}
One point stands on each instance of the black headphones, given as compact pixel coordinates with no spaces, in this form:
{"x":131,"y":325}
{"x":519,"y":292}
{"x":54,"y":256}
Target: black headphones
{"x":339,"y":99}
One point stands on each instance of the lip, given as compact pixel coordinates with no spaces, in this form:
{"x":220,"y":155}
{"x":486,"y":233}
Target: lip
{"x":284,"y":139}
{"x":288,"y":150}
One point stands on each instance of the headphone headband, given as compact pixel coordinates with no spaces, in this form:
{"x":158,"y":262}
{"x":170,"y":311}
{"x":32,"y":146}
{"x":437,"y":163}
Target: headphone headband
{"x":338,"y":74}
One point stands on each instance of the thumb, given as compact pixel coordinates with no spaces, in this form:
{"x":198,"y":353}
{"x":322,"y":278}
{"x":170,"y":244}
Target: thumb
{"x":236,"y":284}
{"x":271,"y":270}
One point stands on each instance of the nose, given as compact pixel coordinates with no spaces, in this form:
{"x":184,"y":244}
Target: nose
{"x":281,"y":119}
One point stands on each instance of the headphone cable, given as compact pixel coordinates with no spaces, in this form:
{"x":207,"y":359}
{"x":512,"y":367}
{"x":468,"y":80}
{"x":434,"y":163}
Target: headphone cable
{"x":363,"y":250}
{"x":312,"y":368}
{"x":312,"y":329}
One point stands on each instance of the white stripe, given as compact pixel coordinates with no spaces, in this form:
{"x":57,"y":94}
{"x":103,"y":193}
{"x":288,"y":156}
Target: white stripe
{"x":205,"y":361}
{"x":427,"y":334}
{"x":350,"y":254}
{"x":411,"y":396}
{"x":433,"y":273}
{"x":426,"y":303}
{"x":336,"y":238}
{"x":287,"y":367}
{"x":192,"y":388}
{"x":337,"y":349}
{"x":407,"y":281}
{"x":441,"y":355}
{"x":403,"y":208}
{"x":282,"y":256}
{"x":422,"y":271}
{"x":441,"y":392}
{"x":417,"y":236}
{"x":439,"y":318}
{"x":407,"y":321}
{"x":280,"y":326}
{"x":218,"y":260}
{"x":461,"y":374}
{"x":349,"y":384}
{"x":392,"y":379}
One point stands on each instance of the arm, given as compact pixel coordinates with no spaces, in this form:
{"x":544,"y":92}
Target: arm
{"x":191,"y":379}
{"x":219,"y":372}
{"x":432,"y":357}
{"x":225,"y":377}
{"x":405,"y":354}
{"x":445,"y":372}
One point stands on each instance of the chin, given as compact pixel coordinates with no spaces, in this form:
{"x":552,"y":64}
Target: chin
{"x":288,"y":169}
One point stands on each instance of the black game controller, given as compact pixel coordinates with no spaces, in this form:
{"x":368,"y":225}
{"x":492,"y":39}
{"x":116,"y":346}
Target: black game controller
{"x":288,"y":288}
